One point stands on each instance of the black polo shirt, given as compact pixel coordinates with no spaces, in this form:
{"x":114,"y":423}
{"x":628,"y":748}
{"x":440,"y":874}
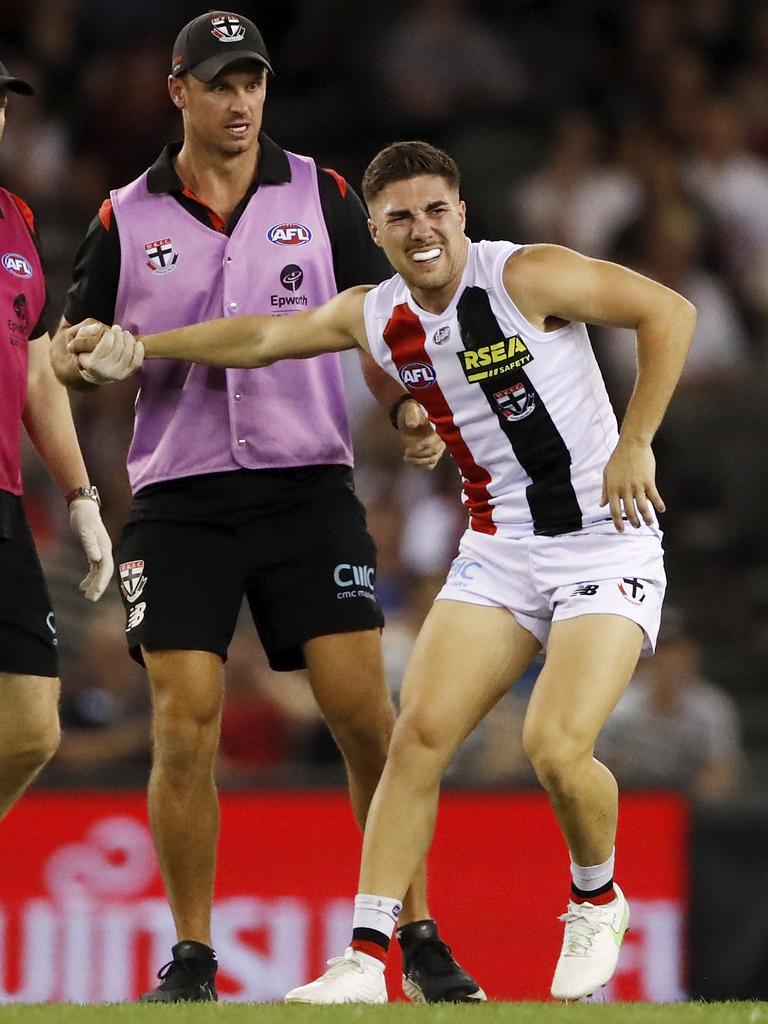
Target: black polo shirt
{"x":356,"y":260}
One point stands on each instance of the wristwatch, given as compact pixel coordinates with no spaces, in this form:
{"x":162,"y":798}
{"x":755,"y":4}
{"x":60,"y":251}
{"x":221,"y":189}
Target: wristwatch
{"x":84,"y":492}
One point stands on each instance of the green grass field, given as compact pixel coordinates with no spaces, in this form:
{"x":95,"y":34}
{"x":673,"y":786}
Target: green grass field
{"x":514,"y":1013}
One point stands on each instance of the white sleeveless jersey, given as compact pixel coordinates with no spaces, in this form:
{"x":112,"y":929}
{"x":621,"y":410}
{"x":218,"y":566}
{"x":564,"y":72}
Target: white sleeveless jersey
{"x":523,"y":412}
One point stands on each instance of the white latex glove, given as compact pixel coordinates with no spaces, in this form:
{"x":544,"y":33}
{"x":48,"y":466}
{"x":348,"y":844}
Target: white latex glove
{"x":86,"y":524}
{"x":116,"y":356}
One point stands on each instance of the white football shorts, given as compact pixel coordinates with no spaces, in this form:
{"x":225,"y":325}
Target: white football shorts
{"x":541,"y":579}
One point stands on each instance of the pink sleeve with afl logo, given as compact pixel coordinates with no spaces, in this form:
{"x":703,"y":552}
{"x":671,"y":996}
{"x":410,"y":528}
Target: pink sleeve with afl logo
{"x":22,"y":298}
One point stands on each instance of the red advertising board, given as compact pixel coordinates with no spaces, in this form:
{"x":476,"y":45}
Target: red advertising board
{"x":83,"y":917}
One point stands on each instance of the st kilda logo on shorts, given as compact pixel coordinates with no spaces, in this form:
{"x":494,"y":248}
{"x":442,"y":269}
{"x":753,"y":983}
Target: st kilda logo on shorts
{"x":161,"y":256}
{"x":17,"y":264}
{"x":289,"y":234}
{"x":132,"y":579}
{"x":631,"y":588}
{"x":227,"y":28}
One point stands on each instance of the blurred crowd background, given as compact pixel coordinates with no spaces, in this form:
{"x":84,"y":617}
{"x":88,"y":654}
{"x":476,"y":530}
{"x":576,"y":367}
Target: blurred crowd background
{"x":635,"y":131}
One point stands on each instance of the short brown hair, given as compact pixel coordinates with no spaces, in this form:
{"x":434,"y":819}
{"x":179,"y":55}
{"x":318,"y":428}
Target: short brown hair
{"x":402,"y":160}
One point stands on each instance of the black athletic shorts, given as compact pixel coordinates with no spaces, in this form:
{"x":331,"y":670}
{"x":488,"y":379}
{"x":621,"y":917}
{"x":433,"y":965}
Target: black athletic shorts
{"x":294,"y":542}
{"x":27,"y":629}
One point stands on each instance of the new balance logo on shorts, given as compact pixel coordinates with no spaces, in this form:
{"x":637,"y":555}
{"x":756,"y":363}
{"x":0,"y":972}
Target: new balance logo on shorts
{"x":136,"y":616}
{"x":586,"y":590}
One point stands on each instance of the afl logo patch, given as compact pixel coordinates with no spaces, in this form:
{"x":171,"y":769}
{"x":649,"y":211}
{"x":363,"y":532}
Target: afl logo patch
{"x":289,"y":234}
{"x":228,"y":28}
{"x":17,"y":265}
{"x":417,"y":376}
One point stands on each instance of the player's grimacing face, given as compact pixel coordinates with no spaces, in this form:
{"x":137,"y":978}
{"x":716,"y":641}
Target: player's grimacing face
{"x":226,"y":113}
{"x":419,"y":223}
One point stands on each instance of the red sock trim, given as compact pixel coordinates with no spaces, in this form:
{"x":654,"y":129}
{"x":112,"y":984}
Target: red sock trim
{"x":371,"y":948}
{"x":596,"y":901}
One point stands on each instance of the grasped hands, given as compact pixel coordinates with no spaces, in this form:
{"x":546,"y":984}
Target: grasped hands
{"x":422,"y":446}
{"x":104,"y":354}
{"x":85,"y":522}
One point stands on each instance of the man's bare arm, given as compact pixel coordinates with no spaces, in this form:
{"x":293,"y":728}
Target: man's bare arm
{"x":550,"y":284}
{"x":250,"y":341}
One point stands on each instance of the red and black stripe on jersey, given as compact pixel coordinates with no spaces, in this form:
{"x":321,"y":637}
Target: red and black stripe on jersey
{"x":406,"y":339}
{"x":536,"y":442}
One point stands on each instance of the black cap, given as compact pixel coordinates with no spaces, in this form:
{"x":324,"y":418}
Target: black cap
{"x":209,"y":43}
{"x":11,"y":84}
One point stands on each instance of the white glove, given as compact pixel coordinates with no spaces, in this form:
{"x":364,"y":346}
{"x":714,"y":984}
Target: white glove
{"x":86,"y":524}
{"x":116,"y":356}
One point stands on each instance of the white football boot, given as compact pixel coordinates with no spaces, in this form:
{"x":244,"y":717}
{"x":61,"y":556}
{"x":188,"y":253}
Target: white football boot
{"x":590,"y":953}
{"x":352,"y":978}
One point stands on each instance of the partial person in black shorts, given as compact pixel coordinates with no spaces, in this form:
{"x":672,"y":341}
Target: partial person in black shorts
{"x":294,"y":542}
{"x":31,"y":396}
{"x":287,"y":531}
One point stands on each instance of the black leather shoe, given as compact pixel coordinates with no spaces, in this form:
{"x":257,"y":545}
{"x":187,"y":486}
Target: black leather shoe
{"x":188,"y":978}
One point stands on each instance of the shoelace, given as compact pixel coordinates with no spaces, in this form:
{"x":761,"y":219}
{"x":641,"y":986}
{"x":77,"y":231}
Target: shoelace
{"x":338,"y":963}
{"x":432,"y":954}
{"x":167,"y":969}
{"x":174,"y":966}
{"x":579,"y":933}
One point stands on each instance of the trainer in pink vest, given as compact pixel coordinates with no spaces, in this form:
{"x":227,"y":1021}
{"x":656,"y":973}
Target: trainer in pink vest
{"x":176,"y":271}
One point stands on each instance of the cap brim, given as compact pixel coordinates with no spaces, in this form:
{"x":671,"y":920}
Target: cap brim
{"x":207,"y":70}
{"x":10,"y":84}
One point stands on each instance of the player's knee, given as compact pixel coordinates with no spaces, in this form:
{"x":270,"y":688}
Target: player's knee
{"x":554,"y":755}
{"x":31,"y":746}
{"x":418,"y":738}
{"x":186,"y":736}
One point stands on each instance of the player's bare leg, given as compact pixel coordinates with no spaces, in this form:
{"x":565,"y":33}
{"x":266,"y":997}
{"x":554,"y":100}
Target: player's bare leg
{"x":187,"y":692}
{"x":361,"y":717}
{"x":29,"y":731}
{"x":464,"y":660}
{"x":590,"y":660}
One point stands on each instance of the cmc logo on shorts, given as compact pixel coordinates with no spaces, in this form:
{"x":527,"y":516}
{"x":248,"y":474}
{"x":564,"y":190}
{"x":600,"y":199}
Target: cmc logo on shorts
{"x":289,"y":234}
{"x":346,"y":575}
{"x":17,"y":265}
{"x":416,"y":376}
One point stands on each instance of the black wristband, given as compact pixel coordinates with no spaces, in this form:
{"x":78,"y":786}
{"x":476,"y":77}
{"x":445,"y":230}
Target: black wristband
{"x":395,"y":408}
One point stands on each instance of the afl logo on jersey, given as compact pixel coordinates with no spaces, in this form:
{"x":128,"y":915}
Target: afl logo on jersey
{"x":289,"y":234}
{"x":17,"y":265}
{"x":515,"y":402}
{"x":417,"y":376}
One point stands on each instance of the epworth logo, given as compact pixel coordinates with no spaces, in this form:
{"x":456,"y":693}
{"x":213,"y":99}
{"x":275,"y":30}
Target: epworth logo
{"x":161,"y":257}
{"x":289,"y":234}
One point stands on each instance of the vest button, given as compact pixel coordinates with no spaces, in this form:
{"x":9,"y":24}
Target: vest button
{"x":233,"y":305}
{"x":238,"y":396}
{"x":241,"y":442}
